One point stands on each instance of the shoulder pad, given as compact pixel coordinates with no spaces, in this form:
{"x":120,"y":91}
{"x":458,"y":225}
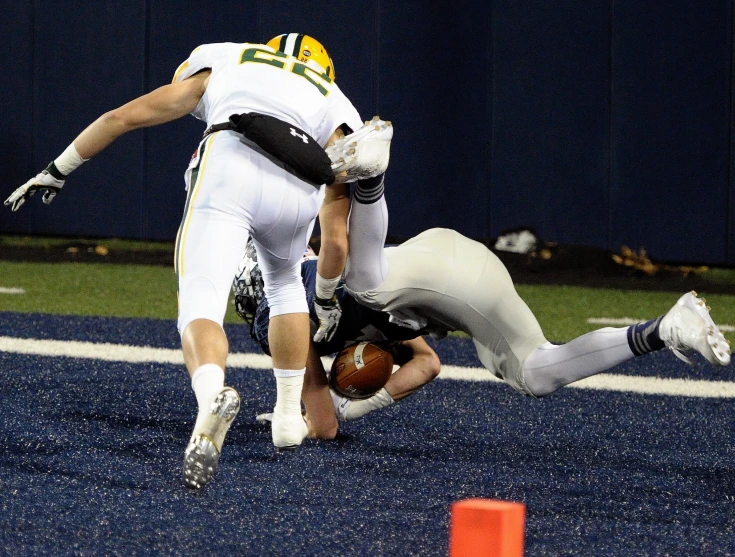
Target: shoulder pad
{"x":201,"y":58}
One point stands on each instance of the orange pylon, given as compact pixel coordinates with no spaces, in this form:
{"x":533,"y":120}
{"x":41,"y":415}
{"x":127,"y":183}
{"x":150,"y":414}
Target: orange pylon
{"x":486,"y":528}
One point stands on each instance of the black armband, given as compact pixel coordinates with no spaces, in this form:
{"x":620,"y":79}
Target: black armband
{"x":55,"y":172}
{"x":326,"y":302}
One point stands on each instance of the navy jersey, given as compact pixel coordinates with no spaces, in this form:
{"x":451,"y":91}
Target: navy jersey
{"x":358,"y":323}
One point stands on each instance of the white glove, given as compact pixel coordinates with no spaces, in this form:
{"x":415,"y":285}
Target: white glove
{"x":44,"y":181}
{"x":329,"y":313}
{"x":362,"y":154}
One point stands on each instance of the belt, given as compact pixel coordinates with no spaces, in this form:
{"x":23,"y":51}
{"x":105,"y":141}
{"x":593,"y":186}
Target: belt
{"x":218,"y":128}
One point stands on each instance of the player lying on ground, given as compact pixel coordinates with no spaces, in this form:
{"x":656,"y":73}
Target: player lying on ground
{"x":418,"y":363}
{"x":441,"y":281}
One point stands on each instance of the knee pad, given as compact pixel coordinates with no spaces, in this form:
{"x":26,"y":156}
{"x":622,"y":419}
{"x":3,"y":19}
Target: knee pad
{"x":285,"y":292}
{"x":200,"y":299}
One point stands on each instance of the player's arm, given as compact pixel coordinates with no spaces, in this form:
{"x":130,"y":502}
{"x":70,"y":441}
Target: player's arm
{"x":421,"y":367}
{"x":157,"y":107}
{"x":320,"y":416}
{"x":332,"y":253}
{"x":162,"y":105}
{"x":333,"y":224}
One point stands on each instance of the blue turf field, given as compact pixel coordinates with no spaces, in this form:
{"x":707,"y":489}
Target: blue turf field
{"x":91,"y":453}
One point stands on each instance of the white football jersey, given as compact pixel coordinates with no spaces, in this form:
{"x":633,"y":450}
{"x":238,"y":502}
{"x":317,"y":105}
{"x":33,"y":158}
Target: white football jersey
{"x":256,"y":78}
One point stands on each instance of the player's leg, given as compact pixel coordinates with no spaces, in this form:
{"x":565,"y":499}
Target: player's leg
{"x":281,"y":229}
{"x":551,"y":367}
{"x":210,"y":242}
{"x":367,"y":266}
{"x":508,"y":337}
{"x":687,"y":327}
{"x":362,"y":155}
{"x":320,"y":415}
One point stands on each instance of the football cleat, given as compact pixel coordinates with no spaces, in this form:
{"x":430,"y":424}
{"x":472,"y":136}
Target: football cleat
{"x":202,"y":454}
{"x":288,"y":430}
{"x":265,"y":418}
{"x":688,"y":327}
{"x":307,"y":49}
{"x":363,"y":154}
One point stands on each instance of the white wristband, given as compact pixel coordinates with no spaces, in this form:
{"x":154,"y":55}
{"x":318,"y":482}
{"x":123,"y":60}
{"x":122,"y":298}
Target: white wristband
{"x":325,"y":287}
{"x":69,"y":160}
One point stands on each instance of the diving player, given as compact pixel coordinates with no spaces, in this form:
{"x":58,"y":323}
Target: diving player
{"x":441,"y":281}
{"x":418,"y":362}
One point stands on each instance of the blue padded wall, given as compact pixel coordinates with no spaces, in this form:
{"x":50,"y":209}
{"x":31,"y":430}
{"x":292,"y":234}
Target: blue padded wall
{"x":670,"y":136}
{"x":596,"y":123}
{"x":82,"y":70}
{"x":550,"y":98}
{"x":435,"y":80}
{"x":16,"y":106}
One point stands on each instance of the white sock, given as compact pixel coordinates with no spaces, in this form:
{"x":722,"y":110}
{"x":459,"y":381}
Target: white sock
{"x":289,"y":383}
{"x":367,"y":266}
{"x":207,"y":381}
{"x":348,"y":409}
{"x":551,"y":367}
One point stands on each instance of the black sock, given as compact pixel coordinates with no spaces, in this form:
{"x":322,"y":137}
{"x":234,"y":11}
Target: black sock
{"x":370,"y":190}
{"x":643,"y":337}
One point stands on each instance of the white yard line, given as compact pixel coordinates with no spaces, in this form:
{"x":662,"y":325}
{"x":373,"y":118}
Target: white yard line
{"x":11,"y":290}
{"x":141,"y":354}
{"x":625,"y":321}
{"x":621,"y":383}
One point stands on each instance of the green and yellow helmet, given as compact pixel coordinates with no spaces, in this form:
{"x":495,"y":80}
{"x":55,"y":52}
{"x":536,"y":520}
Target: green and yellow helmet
{"x":306,"y":48}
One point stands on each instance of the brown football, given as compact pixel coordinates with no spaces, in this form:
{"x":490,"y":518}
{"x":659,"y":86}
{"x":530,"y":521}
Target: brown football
{"x":360,"y":370}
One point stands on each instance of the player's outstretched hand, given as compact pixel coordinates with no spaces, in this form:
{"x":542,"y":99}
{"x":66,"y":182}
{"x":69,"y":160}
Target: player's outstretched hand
{"x":44,"y":181}
{"x":329,"y":313}
{"x":362,"y":154}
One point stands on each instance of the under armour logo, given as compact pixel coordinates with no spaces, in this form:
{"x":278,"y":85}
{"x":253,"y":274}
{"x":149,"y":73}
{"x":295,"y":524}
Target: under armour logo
{"x":304,"y":138}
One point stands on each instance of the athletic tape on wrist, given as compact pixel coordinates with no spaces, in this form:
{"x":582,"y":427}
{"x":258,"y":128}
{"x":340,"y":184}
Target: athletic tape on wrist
{"x":68,"y":161}
{"x":325,"y":288}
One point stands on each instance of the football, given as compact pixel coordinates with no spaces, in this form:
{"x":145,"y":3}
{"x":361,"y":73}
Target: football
{"x":360,"y":370}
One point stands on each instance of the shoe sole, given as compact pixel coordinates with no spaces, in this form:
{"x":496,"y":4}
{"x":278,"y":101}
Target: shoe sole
{"x":719,"y":347}
{"x":289,"y":449}
{"x":342,"y":151}
{"x":265,"y":418}
{"x":201,"y":457}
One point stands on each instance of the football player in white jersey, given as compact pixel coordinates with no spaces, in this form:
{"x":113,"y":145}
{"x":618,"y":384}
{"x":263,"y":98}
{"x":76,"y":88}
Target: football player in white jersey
{"x":267,"y":185}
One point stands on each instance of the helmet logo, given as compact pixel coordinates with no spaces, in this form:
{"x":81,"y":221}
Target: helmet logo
{"x":307,"y":52}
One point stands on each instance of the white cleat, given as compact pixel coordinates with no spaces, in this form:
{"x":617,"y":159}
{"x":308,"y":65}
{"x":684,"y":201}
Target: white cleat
{"x":688,"y":327}
{"x":202,"y":454}
{"x":288,"y":430}
{"x":362,"y":154}
{"x":265,"y":418}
